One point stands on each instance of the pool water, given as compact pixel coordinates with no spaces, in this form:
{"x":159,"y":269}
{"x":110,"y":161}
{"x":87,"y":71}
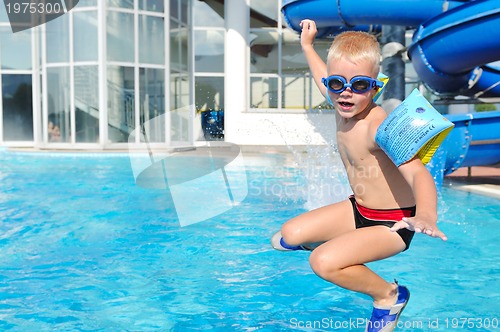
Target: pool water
{"x":83,"y":248}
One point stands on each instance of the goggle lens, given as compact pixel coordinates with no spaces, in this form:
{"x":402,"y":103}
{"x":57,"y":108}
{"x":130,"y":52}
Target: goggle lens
{"x":335,"y":84}
{"x":361,"y":85}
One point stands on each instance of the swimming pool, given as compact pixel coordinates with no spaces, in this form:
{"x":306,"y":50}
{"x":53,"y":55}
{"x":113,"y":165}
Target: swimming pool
{"x":83,"y":248}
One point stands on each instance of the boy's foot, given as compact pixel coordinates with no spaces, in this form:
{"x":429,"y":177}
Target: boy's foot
{"x":385,"y":318}
{"x":279,"y":244}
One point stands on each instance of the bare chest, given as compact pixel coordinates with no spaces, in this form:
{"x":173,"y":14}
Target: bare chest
{"x":355,"y":146}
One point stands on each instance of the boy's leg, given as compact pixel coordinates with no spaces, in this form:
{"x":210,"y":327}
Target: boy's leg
{"x":341,"y":261}
{"x":319,"y":225}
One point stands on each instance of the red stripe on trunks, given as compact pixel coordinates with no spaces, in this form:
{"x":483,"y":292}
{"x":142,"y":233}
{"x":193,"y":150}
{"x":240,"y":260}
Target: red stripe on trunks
{"x":386,"y":214}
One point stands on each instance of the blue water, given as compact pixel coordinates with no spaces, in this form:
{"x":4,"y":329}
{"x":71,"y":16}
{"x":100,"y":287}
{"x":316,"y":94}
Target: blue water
{"x":82,"y":248}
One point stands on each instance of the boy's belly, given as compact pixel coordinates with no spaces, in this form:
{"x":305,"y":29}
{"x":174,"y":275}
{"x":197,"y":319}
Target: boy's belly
{"x":377,"y":193}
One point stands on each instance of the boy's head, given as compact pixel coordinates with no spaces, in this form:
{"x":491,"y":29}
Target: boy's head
{"x":356,"y":46}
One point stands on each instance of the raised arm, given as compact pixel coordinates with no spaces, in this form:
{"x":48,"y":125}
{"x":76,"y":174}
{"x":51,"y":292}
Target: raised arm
{"x":424,"y":191}
{"x":316,"y":64}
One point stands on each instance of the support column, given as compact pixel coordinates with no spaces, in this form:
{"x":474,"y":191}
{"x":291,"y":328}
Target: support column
{"x":237,"y":24}
{"x":393,"y":41}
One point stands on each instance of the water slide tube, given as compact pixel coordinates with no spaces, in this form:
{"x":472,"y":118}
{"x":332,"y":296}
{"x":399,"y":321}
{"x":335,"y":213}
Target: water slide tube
{"x":453,"y":48}
{"x":331,"y":15}
{"x":453,"y":51}
{"x":474,"y":141}
{"x":450,"y":51}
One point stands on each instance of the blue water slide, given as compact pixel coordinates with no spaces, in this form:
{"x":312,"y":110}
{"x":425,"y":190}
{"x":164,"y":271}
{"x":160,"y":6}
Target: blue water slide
{"x":448,"y":49}
{"x":454,"y":50}
{"x":474,"y":141}
{"x":453,"y":46}
{"x":488,"y":86}
{"x":331,"y":15}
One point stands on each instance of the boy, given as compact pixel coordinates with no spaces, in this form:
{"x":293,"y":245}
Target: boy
{"x":389,"y":203}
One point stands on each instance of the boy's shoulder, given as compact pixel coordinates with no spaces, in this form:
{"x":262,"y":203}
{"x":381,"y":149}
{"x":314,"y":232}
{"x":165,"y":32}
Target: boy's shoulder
{"x":376,"y":117}
{"x":378,"y":113}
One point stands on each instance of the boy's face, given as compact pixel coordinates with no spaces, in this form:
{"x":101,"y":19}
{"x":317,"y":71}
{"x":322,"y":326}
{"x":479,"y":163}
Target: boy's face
{"x":348,"y":103}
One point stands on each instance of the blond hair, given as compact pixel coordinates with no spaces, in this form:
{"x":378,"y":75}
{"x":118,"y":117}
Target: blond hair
{"x":355,"y":46}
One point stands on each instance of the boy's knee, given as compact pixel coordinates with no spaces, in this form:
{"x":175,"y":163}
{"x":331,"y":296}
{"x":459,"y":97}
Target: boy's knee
{"x":291,"y":234}
{"x":323,"y":265}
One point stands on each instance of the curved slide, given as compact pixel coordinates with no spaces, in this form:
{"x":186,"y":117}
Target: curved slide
{"x":474,"y":141}
{"x":450,"y":52}
{"x":454,"y":50}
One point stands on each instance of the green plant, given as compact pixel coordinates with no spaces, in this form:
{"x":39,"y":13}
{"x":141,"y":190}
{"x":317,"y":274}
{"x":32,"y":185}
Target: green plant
{"x":485,"y":107}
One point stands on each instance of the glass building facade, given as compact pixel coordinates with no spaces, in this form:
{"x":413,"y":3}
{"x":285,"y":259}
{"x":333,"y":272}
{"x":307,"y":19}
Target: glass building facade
{"x":90,"y":77}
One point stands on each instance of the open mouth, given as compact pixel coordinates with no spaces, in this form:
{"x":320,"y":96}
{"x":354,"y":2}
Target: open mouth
{"x":344,"y":104}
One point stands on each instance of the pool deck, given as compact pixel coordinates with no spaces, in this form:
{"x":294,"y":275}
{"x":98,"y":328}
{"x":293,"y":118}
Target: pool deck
{"x":480,"y":180}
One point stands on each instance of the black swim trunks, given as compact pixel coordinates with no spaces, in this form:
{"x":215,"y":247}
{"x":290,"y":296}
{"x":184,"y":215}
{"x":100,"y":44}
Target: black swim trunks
{"x":365,"y":217}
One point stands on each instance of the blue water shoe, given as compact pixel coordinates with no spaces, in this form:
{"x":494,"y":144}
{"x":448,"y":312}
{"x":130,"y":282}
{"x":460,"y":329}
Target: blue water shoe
{"x":279,"y":244}
{"x":385,"y":318}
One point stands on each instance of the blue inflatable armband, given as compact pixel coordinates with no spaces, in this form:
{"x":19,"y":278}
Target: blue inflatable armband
{"x":414,"y":128}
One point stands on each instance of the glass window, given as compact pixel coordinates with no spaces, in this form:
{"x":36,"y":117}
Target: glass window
{"x":295,"y":92}
{"x":208,"y":16}
{"x":179,"y":117}
{"x":86,"y":104}
{"x":209,"y":103}
{"x":151,"y":40}
{"x":293,"y":60}
{"x":180,"y":113}
{"x":121,"y":3}
{"x":179,"y":10}
{"x":209,"y":50}
{"x":264,"y":51}
{"x":298,"y":88}
{"x":178,"y":47}
{"x":151,"y":5}
{"x":121,"y":103}
{"x":85,"y":3}
{"x":152,"y":94}
{"x":185,"y":9}
{"x":58,"y":104}
{"x":264,"y":92}
{"x":174,"y":8}
{"x":120,"y":36}
{"x":209,"y":94}
{"x":15,"y":48}
{"x":264,"y":13}
{"x":17,"y":108}
{"x":179,"y":88}
{"x":57,"y":34}
{"x":266,"y":87}
{"x":85,"y":31}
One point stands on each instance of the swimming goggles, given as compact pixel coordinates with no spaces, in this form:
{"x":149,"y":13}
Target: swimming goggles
{"x":358,"y":84}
